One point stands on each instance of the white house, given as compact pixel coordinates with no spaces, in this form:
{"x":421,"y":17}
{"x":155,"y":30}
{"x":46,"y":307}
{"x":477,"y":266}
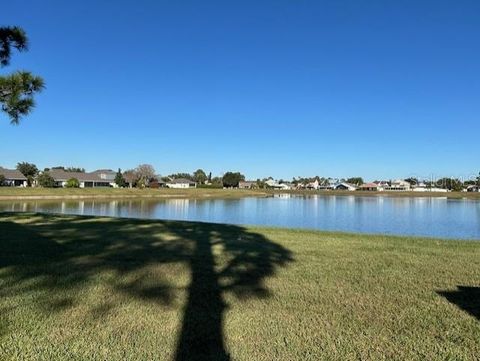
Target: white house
{"x":343,"y":186}
{"x":274,"y":184}
{"x":473,"y":188}
{"x":398,"y":185}
{"x":181,"y":183}
{"x":13,"y":178}
{"x":313,"y":185}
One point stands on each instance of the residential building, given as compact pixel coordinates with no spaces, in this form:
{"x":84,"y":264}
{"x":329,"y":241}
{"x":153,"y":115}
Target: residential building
{"x":313,"y":185}
{"x":473,"y":188}
{"x":343,"y":186}
{"x":274,"y":184}
{"x":181,"y":183}
{"x":86,"y":180}
{"x":13,"y":178}
{"x":106,"y":174}
{"x":247,"y":184}
{"x":370,"y":187}
{"x":398,"y":185}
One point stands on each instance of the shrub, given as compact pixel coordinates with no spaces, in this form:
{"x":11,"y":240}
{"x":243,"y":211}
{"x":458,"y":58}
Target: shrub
{"x":45,"y":180}
{"x":120,"y":179}
{"x":231,"y":180}
{"x":72,"y":183}
{"x":154,"y":184}
{"x":2,"y":180}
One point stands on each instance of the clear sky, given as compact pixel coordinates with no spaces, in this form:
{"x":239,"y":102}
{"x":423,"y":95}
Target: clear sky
{"x":379,"y":89}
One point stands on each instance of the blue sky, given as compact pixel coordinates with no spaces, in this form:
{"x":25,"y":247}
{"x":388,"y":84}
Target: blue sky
{"x":379,"y":89}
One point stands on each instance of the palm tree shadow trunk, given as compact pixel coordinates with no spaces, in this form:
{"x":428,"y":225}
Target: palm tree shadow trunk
{"x":201,"y":336}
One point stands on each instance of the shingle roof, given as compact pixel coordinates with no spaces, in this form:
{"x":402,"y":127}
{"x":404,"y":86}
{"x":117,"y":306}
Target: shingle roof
{"x":369,"y":185}
{"x":104,"y":171}
{"x":12,"y":174}
{"x":61,"y":175}
{"x":181,"y":181}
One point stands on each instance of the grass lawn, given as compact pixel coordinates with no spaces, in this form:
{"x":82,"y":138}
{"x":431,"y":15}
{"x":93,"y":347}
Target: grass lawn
{"x":12,"y":193}
{"x":92,"y":288}
{"x":7,"y":193}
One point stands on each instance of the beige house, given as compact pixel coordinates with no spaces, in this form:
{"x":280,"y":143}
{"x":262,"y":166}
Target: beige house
{"x":247,"y":184}
{"x":13,"y":178}
{"x":86,"y":180}
{"x":181,"y":183}
{"x":398,"y":185}
{"x":370,"y":187}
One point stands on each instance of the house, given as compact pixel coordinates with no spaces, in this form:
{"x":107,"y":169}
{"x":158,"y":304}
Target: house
{"x":398,"y":185}
{"x":106,"y":174}
{"x":181,"y":183}
{"x":370,"y":187}
{"x":247,"y":184}
{"x":86,"y":180}
{"x":313,"y":185}
{"x":13,"y":178}
{"x":274,"y":184}
{"x":343,"y":186}
{"x":328,"y":184}
{"x":157,"y":183}
{"x":473,"y":188}
{"x":286,"y":186}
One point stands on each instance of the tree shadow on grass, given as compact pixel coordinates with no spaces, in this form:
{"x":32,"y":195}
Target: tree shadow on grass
{"x":466,"y":298}
{"x":61,"y":253}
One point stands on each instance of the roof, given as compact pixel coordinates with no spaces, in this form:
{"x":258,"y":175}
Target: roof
{"x":12,"y":174}
{"x":345,"y":184}
{"x":369,"y":185}
{"x":181,"y":181}
{"x":61,"y":175}
{"x":104,"y":171}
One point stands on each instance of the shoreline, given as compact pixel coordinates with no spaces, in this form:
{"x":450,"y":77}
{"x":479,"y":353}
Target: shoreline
{"x":32,"y":194}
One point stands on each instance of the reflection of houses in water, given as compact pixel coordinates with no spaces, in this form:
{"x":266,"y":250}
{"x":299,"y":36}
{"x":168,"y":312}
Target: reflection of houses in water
{"x":282,"y":195}
{"x":178,"y":205}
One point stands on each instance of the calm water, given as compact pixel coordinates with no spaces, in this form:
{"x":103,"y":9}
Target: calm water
{"x":435,"y":217}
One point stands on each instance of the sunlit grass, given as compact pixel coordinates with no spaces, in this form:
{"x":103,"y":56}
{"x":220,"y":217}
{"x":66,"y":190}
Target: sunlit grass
{"x":59,"y":193}
{"x":52,"y":193}
{"x":91,"y":288}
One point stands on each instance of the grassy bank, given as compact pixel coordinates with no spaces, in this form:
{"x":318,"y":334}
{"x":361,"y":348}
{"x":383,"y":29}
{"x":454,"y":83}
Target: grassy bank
{"x":452,"y":195}
{"x":9,"y":193}
{"x":87,"y":288}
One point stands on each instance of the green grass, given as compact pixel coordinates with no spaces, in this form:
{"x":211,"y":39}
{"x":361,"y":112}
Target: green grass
{"x":93,"y":288}
{"x":9,"y":193}
{"x":455,"y":195}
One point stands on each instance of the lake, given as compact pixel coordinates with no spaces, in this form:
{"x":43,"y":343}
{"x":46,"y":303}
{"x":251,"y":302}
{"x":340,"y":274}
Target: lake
{"x":421,"y":216}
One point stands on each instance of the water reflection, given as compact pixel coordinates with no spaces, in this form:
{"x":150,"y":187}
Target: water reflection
{"x":436,"y":217}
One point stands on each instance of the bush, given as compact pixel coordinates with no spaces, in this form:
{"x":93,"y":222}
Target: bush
{"x":231,"y":180}
{"x":72,"y":183}
{"x":45,"y":180}
{"x":2,"y":180}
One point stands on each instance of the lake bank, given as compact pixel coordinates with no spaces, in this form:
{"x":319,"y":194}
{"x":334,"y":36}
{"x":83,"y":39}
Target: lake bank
{"x":8,"y":193}
{"x":104,"y":288}
{"x":414,"y":216}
